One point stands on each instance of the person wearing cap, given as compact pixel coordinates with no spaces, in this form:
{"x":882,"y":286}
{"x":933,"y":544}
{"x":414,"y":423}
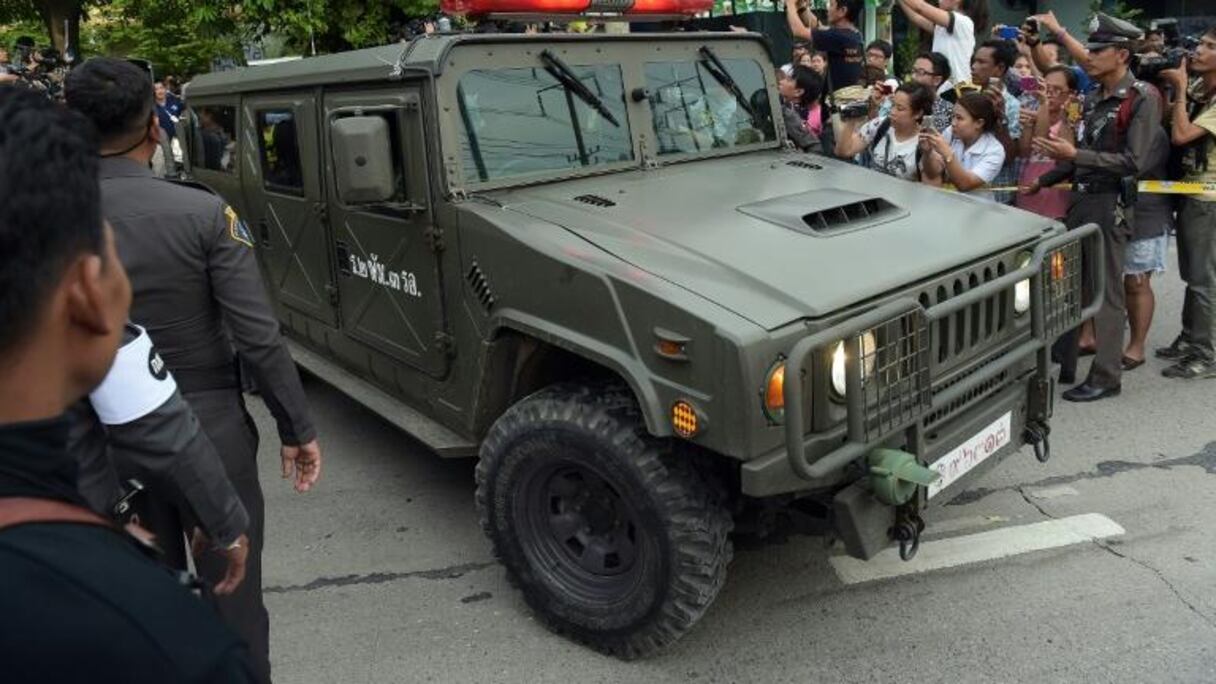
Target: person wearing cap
{"x":1122,"y":139}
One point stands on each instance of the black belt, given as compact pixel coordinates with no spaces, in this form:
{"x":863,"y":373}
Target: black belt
{"x":1099,"y":187}
{"x":204,"y":379}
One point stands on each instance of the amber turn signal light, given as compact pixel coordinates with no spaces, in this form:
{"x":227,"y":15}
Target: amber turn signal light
{"x":1057,"y":266}
{"x":774,"y":393}
{"x":684,"y":419}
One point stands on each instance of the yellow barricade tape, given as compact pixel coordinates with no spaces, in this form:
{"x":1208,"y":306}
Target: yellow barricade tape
{"x":1148,"y":187}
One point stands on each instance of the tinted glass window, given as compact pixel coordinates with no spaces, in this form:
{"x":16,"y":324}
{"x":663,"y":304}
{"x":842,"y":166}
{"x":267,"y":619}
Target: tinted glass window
{"x":694,"y":109}
{"x":214,"y":139}
{"x":521,"y":121}
{"x":280,"y":151}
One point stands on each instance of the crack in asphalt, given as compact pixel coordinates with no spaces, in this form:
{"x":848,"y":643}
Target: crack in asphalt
{"x":1105,"y":546}
{"x":450,"y":572}
{"x":1204,"y":458}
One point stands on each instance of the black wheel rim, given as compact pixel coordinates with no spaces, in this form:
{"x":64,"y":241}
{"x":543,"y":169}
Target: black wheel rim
{"x":580,"y":533}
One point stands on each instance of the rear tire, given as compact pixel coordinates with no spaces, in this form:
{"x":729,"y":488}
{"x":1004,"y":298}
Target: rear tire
{"x":614,"y":542}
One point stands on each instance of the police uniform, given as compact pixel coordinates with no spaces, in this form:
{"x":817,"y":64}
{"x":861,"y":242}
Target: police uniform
{"x":1115,"y":146}
{"x":137,"y":423}
{"x":197,"y":289}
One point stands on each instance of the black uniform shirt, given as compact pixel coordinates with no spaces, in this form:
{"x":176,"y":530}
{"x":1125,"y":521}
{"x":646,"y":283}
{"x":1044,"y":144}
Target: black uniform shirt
{"x":196,"y":283}
{"x":1108,"y":151}
{"x":80,"y":603}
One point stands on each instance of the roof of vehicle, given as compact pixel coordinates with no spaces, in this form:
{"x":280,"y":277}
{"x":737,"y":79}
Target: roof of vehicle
{"x":390,"y":62}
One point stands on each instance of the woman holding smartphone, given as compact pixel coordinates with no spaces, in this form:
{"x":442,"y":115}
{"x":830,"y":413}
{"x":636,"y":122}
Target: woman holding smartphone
{"x":1057,"y":90}
{"x":968,"y":154}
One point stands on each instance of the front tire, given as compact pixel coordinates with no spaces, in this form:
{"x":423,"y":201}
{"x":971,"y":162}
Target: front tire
{"x":613,"y":541}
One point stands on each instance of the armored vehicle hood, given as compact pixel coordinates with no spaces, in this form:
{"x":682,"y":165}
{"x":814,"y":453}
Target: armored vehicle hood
{"x":776,"y":237}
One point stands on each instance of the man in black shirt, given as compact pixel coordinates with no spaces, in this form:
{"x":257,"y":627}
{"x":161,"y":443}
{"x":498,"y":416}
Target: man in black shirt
{"x":81,"y":602}
{"x":840,"y":39}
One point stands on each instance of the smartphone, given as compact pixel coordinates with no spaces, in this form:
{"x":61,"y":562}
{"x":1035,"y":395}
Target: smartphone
{"x":1074,"y":112}
{"x":1029,"y":84}
{"x":1008,"y":32}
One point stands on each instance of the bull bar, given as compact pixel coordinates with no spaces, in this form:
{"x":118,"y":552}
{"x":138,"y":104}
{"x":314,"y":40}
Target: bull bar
{"x":861,"y":439}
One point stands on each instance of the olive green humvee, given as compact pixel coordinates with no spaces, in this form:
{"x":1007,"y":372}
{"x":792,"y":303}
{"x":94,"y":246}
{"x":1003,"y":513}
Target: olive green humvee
{"x":593,"y":263}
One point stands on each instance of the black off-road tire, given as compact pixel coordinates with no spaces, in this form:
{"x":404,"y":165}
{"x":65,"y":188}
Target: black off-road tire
{"x":670,"y":532}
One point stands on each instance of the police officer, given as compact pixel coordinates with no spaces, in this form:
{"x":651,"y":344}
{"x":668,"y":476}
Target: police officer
{"x":137,"y":423}
{"x":80,"y":602}
{"x":1122,"y":119}
{"x":196,"y":287}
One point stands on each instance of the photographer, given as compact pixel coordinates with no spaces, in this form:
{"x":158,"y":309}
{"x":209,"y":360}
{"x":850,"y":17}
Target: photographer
{"x":840,"y":40}
{"x":954,"y":25}
{"x":1193,"y":119}
{"x":967,"y":154}
{"x":892,"y":143}
{"x":1050,"y":120}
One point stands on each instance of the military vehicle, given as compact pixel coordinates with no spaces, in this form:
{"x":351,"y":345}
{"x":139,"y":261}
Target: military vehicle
{"x":592,"y":262}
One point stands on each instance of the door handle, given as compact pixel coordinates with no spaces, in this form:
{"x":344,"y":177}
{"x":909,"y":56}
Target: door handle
{"x":263,"y":234}
{"x":343,"y":257}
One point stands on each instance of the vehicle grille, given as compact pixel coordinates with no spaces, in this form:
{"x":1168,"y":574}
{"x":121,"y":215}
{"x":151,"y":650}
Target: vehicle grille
{"x":969,"y":333}
{"x":1062,"y":274}
{"x":895,"y":374}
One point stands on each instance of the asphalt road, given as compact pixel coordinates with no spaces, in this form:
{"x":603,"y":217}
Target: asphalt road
{"x":382,"y":575}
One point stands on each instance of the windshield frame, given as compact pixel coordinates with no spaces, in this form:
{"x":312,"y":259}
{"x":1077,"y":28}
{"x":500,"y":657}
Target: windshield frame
{"x":629,"y":52}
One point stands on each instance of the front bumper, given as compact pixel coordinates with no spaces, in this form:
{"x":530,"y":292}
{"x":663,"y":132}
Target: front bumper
{"x":889,"y":399}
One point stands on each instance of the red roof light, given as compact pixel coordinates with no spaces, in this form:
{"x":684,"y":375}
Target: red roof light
{"x":575,"y":7}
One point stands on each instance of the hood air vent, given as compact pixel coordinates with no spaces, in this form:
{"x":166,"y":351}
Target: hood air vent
{"x":848,"y":215}
{"x":825,"y":212}
{"x":798,"y":163}
{"x":595,"y":200}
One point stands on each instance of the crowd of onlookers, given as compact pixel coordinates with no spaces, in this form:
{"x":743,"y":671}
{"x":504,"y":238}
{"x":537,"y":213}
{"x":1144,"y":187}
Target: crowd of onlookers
{"x":990,"y":111}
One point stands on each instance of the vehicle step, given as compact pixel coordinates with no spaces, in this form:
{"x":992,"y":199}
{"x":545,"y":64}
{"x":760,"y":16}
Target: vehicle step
{"x":442,"y":440}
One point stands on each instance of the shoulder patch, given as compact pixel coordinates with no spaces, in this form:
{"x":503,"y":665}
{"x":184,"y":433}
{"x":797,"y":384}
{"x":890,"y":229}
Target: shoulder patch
{"x":237,"y":230}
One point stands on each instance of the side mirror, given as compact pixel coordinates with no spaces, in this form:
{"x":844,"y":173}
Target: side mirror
{"x":363,"y":161}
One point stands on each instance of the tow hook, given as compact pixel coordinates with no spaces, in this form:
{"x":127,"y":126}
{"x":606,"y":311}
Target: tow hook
{"x":1038,"y":436}
{"x":908,"y":526}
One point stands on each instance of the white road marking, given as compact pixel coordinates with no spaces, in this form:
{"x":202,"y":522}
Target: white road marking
{"x":1052,"y":492}
{"x":970,"y":522}
{"x":976,"y":548}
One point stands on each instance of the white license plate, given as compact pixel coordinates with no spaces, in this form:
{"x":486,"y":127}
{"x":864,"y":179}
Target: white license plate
{"x":971,"y":453}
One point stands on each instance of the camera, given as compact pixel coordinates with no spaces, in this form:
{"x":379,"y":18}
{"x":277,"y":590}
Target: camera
{"x":854,"y":110}
{"x":1150,"y":68}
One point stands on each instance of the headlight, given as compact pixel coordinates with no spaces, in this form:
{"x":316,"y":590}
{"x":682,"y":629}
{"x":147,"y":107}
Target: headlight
{"x":774,"y":393}
{"x":1021,"y":291}
{"x":869,"y":344}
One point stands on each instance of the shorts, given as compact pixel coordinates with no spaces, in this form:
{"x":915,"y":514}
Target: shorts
{"x":1146,"y":256}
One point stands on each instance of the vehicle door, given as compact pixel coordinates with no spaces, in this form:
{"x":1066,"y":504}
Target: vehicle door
{"x":282,"y":171}
{"x":384,"y":248}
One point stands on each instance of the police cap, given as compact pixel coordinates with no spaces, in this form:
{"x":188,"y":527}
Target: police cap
{"x":1107,"y":31}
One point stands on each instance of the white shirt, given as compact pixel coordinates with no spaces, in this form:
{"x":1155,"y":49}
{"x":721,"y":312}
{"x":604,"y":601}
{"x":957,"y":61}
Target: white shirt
{"x":984,"y":158}
{"x":889,"y":155}
{"x":957,"y":43}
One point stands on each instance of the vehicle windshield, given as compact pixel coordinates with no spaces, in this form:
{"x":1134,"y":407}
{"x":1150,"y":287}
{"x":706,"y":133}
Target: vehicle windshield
{"x":695,"y":110}
{"x":523,"y":121}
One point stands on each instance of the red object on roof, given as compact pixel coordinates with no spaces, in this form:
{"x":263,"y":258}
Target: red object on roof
{"x":575,"y":7}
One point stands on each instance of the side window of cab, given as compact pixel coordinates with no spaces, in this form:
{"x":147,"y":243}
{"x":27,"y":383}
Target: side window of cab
{"x":213,"y":138}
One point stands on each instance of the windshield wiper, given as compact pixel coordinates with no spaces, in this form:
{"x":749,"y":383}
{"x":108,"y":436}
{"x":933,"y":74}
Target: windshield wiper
{"x":566,"y":76}
{"x":717,"y":69}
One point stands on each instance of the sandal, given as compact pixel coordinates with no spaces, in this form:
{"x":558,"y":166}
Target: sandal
{"x":1131,"y":364}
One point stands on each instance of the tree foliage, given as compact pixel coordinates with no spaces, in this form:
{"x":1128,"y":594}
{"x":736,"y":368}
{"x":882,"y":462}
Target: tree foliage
{"x":184,"y":36}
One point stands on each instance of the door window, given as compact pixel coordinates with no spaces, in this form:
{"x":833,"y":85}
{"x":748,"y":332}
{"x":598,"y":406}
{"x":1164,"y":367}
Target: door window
{"x":279,"y":143}
{"x":214,"y":129}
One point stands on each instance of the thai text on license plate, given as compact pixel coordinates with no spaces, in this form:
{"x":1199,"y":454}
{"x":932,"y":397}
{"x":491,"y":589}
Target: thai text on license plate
{"x":971,"y":453}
